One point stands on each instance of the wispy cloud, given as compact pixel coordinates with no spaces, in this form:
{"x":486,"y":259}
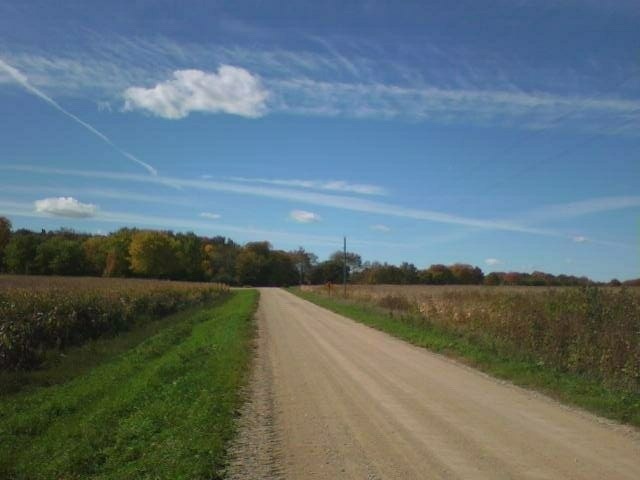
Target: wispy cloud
{"x":210,"y":216}
{"x":321,"y":199}
{"x":380,"y":228}
{"x":22,"y":209}
{"x":333,"y":83}
{"x":65,"y":207}
{"x":302,"y":216}
{"x":98,"y":193}
{"x":579,"y":239}
{"x":330,"y":185}
{"x":22,"y":80}
{"x":231,"y":90}
{"x":582,"y":207}
{"x":447,"y":105}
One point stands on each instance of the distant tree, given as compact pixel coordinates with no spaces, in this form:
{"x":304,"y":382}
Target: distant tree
{"x":20,"y":252}
{"x":513,"y":278}
{"x":117,"y":261}
{"x":219,"y":261}
{"x":494,"y":278}
{"x":153,"y":254}
{"x":5,"y":236}
{"x":190,"y":256}
{"x":282,"y":269}
{"x":304,"y":262}
{"x":466,"y":274}
{"x":354,"y":261}
{"x":252,"y":268}
{"x":96,"y":250}
{"x":60,"y":256}
{"x":327,"y":271}
{"x":439,"y":274}
{"x":409,"y":273}
{"x":615,"y":282}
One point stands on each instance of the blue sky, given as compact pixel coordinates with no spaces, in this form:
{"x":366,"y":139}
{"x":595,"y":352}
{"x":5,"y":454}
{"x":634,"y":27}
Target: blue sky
{"x":503,"y":133}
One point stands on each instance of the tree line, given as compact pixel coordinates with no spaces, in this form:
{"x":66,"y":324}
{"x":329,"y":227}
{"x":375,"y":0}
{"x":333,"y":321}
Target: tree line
{"x":131,"y":252}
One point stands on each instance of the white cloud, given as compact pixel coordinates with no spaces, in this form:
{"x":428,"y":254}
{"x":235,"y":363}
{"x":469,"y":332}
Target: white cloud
{"x":579,"y":239}
{"x":331,"y":185}
{"x":231,"y":90}
{"x":210,"y":216}
{"x":380,"y":228}
{"x":65,"y":207}
{"x":302,"y":216}
{"x":492,"y":262}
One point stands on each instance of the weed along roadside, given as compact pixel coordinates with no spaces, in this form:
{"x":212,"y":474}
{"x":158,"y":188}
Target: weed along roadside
{"x":495,"y":331}
{"x":163,"y":408}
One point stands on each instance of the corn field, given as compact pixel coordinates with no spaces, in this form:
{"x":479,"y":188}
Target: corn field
{"x":588,"y":330}
{"x":43,"y":313}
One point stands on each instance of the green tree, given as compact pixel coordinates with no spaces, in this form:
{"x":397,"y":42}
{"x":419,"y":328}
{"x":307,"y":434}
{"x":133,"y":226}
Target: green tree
{"x":190,"y":256}
{"x":327,"y":271}
{"x":354,"y":261}
{"x":117,"y":262}
{"x":60,"y":256}
{"x":251,"y":268}
{"x":282,"y":269}
{"x":304,"y":263}
{"x":153,"y":254}
{"x":219,"y":260}
{"x":20,"y":252}
{"x":5,"y":236}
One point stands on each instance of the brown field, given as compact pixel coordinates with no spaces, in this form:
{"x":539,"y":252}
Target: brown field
{"x":591,"y":331}
{"x":41,"y":283}
{"x":42,"y":313}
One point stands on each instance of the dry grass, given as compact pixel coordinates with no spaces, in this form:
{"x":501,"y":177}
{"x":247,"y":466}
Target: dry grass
{"x":590,"y":331}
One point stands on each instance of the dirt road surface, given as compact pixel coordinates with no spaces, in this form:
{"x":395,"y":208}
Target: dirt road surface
{"x":335,"y":399}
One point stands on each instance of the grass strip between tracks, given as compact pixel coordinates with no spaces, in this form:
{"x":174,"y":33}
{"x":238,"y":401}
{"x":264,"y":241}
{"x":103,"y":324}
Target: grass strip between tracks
{"x":569,"y":388}
{"x":162,"y":409}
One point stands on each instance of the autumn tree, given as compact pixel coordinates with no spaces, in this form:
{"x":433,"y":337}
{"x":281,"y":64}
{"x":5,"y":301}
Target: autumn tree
{"x":219,"y":260}
{"x":438,"y":274}
{"x":152,"y":254}
{"x":117,"y":262}
{"x":96,"y":250}
{"x":466,"y":274}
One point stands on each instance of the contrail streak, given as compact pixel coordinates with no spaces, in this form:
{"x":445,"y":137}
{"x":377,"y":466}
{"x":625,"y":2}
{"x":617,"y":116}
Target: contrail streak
{"x":24,"y":82}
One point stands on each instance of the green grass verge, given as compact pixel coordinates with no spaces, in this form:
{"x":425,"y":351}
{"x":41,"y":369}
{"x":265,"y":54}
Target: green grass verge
{"x":163,"y":409}
{"x":573,"y":389}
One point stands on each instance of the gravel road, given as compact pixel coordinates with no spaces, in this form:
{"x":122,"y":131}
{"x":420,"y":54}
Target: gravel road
{"x":334,"y":399}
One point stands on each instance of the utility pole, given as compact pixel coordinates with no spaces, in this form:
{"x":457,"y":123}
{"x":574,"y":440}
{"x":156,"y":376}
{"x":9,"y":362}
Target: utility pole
{"x":344,"y":269}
